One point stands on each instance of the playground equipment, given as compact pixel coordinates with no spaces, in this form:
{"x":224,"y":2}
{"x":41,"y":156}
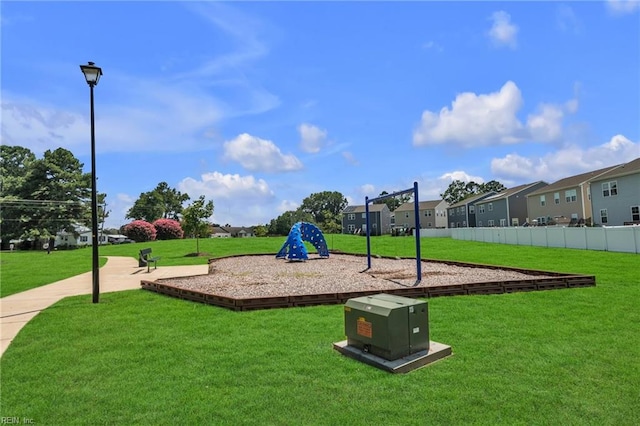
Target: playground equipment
{"x":294,"y":248}
{"x":416,"y":209}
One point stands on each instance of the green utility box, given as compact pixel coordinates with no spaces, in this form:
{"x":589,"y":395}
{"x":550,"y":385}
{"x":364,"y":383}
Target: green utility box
{"x":387,"y":326}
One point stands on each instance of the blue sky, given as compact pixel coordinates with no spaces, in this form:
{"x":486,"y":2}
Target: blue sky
{"x":258,"y":105}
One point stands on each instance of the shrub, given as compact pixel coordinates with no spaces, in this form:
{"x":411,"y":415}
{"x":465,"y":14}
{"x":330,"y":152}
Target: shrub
{"x":140,"y":231}
{"x":168,"y":229}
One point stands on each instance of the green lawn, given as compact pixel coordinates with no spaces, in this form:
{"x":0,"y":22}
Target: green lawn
{"x":553,"y":357}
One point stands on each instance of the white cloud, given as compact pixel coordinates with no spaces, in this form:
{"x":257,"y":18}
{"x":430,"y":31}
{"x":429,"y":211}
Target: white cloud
{"x":486,"y":119}
{"x":238,"y":200}
{"x":257,"y":154}
{"x":118,"y":209}
{"x":459,"y":175}
{"x":368,"y":190}
{"x":567,"y":161}
{"x":287,"y":205}
{"x":503,"y":32}
{"x":312,"y":138}
{"x":172,"y":111}
{"x":474,"y":119}
{"x":623,"y":7}
{"x":546,"y":124}
{"x":350,"y":158}
{"x":567,"y":20}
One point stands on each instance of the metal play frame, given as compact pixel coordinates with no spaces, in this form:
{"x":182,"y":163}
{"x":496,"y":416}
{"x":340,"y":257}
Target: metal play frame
{"x":416,"y":209}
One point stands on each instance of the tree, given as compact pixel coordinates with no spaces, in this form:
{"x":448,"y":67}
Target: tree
{"x":168,"y":229}
{"x":163,"y":202}
{"x":283,"y":223}
{"x":15,"y":162}
{"x":324,"y":206}
{"x":193,"y":219}
{"x":148,"y":207}
{"x":492,"y":185}
{"x":260,"y":231}
{"x":140,"y":231}
{"x":393,"y":202}
{"x":56,"y":194}
{"x":459,"y":190}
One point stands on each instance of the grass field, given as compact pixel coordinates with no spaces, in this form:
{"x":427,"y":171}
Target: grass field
{"x":553,"y":357}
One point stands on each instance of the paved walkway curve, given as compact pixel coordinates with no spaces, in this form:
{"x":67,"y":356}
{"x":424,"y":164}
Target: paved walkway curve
{"x":119,"y":273}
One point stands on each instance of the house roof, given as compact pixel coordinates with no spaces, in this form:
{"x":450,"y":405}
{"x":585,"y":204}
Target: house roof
{"x":629,"y":168}
{"x":361,"y":208}
{"x":511,"y":191}
{"x":219,"y":230}
{"x":422,"y":205}
{"x":572,"y":181}
{"x":471,"y":199}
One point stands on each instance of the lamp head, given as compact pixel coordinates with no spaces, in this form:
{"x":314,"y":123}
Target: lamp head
{"x":91,"y":73}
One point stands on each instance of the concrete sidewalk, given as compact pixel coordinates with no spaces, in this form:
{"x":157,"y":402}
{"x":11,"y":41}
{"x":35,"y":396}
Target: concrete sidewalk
{"x":119,"y":273}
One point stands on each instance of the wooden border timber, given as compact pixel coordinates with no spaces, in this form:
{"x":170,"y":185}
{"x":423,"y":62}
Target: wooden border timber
{"x":553,"y":281}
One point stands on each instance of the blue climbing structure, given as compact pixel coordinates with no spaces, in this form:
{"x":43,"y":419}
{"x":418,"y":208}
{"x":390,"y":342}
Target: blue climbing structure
{"x":294,"y":248}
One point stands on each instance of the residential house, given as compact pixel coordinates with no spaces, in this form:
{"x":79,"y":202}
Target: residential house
{"x":463,"y":213}
{"x":564,"y":202}
{"x":354,"y":219}
{"x":506,"y":208}
{"x":219,"y":232}
{"x":615,"y":195}
{"x":231,"y":232}
{"x":433,"y":214}
{"x":82,"y":238}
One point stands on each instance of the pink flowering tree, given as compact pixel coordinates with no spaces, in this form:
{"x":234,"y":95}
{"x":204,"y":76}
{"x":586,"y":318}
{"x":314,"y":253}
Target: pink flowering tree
{"x":168,"y":229}
{"x":140,"y":231}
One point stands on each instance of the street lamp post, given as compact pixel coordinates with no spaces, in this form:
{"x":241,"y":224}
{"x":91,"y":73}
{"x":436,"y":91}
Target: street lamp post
{"x":92,"y":75}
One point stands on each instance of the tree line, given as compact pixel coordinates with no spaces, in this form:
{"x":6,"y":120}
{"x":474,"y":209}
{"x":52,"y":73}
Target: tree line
{"x":40,"y":197}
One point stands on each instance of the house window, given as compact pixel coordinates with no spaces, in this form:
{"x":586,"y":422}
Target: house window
{"x":428,"y":224}
{"x":635,"y":213}
{"x":490,"y":207}
{"x":570,"y":196}
{"x":351,"y":227}
{"x":515,"y":221}
{"x":479,"y":223}
{"x":543,"y":200}
{"x":503,"y":222}
{"x":364,"y":215}
{"x":603,"y":216}
{"x":464,"y":223}
{"x":481,"y":208}
{"x":556,"y":197}
{"x":490,"y":222}
{"x":472,"y":209}
{"x":84,"y":239}
{"x":374,"y":226}
{"x":609,"y":189}
{"x":452,"y":225}
{"x":428,"y":213}
{"x":351,"y":216}
{"x":458,"y":225}
{"x":406,"y":215}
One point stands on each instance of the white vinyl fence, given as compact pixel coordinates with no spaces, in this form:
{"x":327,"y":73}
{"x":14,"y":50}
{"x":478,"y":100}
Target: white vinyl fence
{"x":615,"y":238}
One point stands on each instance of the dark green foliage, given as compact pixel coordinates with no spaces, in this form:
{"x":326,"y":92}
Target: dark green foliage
{"x":163,"y":202}
{"x":283,"y":223}
{"x":459,"y":190}
{"x":41,"y":197}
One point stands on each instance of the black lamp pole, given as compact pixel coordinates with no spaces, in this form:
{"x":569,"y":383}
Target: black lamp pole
{"x":92,"y":75}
